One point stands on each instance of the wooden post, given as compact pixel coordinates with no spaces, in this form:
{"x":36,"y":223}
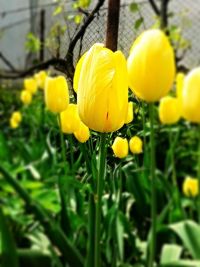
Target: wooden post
{"x":112,"y":24}
{"x":42,"y":34}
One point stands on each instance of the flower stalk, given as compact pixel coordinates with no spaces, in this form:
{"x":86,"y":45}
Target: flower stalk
{"x":153,"y":188}
{"x":99,"y":192}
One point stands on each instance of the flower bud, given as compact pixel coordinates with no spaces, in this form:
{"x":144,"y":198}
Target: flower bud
{"x":151,"y":66}
{"x":30,"y":85}
{"x":26,"y":97}
{"x":130,"y":115}
{"x":56,"y":94}
{"x":40,"y":78}
{"x":102,"y":89}
{"x":190,"y":187}
{"x":169,"y":110}
{"x":135,"y":145}
{"x":191,"y":96}
{"x":82,"y":134}
{"x":120,"y":147}
{"x":70,"y":120}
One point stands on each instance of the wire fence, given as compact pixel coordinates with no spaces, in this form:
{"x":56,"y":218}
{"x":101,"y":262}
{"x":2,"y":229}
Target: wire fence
{"x":182,"y":13}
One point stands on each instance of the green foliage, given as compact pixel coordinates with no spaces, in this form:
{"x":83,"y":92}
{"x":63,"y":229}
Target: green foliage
{"x":32,"y":43}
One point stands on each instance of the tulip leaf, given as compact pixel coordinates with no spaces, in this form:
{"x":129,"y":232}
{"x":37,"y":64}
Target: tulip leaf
{"x":189,"y":232}
{"x":8,"y":251}
{"x":182,"y":263}
{"x":170,"y":252}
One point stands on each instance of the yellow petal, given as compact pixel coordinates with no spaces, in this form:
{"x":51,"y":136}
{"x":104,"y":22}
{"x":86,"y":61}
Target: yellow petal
{"x":102,"y":95}
{"x":56,"y":94}
{"x":135,"y":145}
{"x":120,"y":147}
{"x":70,"y":120}
{"x":151,"y":66}
{"x":169,"y":110}
{"x":191,"y":96}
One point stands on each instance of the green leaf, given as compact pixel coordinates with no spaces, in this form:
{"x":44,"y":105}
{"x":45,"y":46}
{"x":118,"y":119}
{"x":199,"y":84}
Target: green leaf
{"x":134,"y":7}
{"x":138,"y":23}
{"x":58,"y":10}
{"x":170,"y":252}
{"x":8,"y":249}
{"x":182,"y":263}
{"x":189,"y":232}
{"x":120,"y":236}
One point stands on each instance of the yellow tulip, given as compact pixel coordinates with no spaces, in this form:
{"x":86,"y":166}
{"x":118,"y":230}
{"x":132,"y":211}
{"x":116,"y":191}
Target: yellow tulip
{"x":56,"y":94}
{"x":77,"y":72}
{"x":191,"y":96}
{"x":169,"y":110}
{"x":179,"y":84}
{"x":130,"y":115}
{"x":26,"y":97}
{"x":70,"y":120}
{"x":15,"y":119}
{"x":190,"y":187}
{"x":40,"y":78}
{"x":151,"y":66}
{"x":16,"y":116}
{"x":120,"y":147}
{"x":13,"y":124}
{"x":83,"y":133}
{"x":30,"y":85}
{"x":135,"y":145}
{"x":102,"y":89}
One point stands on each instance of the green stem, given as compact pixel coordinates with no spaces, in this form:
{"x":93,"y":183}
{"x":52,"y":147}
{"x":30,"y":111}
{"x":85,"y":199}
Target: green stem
{"x":91,"y":223}
{"x":171,"y":143}
{"x":65,"y":222}
{"x":63,"y":148}
{"x":71,"y":150}
{"x":198,"y":172}
{"x":100,"y":182}
{"x":153,"y":187}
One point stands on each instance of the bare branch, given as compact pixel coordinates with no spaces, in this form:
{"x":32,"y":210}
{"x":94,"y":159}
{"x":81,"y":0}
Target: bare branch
{"x":58,"y":63}
{"x":64,"y":65}
{"x":7,"y":62}
{"x":154,"y":7}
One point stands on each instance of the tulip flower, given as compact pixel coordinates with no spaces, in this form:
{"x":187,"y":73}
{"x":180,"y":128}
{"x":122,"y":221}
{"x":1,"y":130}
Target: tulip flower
{"x":190,"y":187}
{"x":70,"y":120}
{"x":15,"y":119}
{"x":179,"y":84}
{"x":169,"y":110}
{"x":130,"y":115}
{"x":151,"y":66}
{"x":40,"y":78}
{"x":56,"y":94}
{"x":13,"y":123}
{"x":102,"y":89}
{"x":191,"y":96}
{"x":30,"y":85}
{"x":82,"y":134}
{"x":120,"y":147}
{"x":135,"y":145}
{"x":26,"y":97}
{"x":16,"y":115}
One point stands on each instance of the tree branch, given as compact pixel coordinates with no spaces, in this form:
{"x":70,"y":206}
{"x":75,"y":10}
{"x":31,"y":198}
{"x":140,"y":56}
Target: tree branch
{"x":64,"y":65}
{"x":7,"y":62}
{"x":154,"y":7}
{"x":164,"y":14}
{"x":78,"y":35}
{"x":58,"y":63}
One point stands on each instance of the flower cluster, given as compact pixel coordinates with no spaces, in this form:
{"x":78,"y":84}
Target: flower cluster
{"x":120,"y":146}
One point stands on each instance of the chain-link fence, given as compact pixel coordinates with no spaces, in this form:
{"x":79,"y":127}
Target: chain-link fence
{"x":182,"y":13}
